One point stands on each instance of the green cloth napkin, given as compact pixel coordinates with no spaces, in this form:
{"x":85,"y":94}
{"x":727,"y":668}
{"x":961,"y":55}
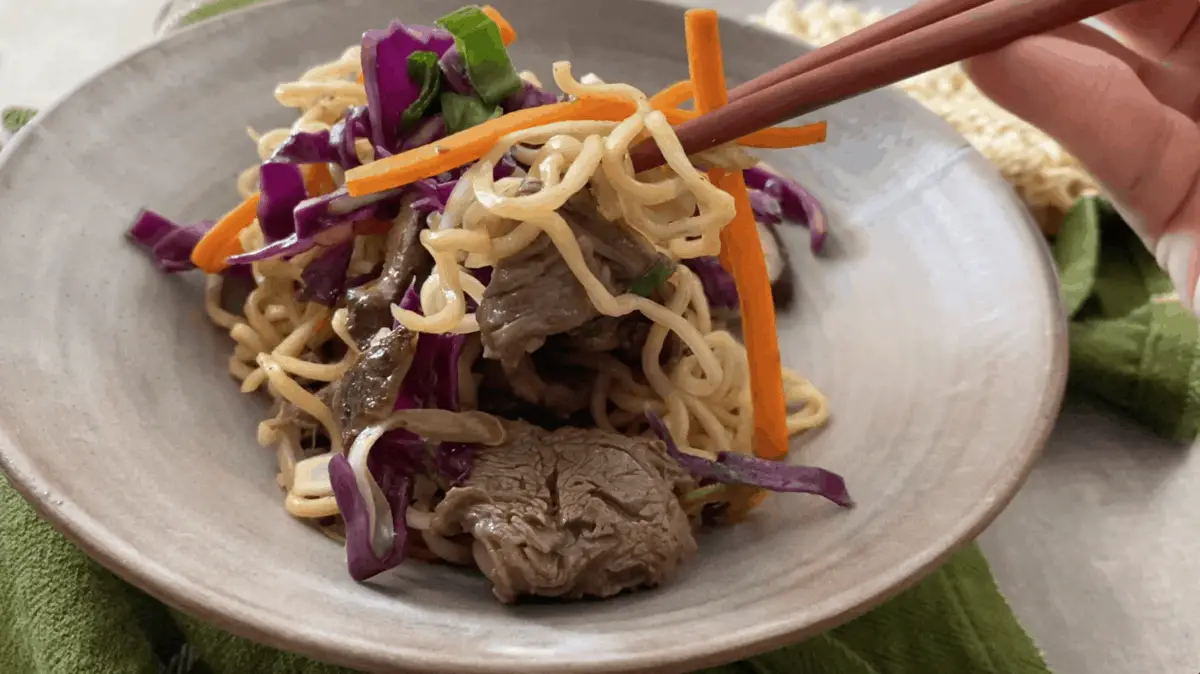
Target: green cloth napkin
{"x":62,"y":613}
{"x":1131,"y":346}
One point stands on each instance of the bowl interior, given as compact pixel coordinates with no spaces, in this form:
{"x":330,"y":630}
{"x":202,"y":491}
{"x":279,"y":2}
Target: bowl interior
{"x":932,"y":324}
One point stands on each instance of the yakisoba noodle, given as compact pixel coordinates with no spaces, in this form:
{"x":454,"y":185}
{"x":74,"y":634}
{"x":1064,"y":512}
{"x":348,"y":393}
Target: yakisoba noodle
{"x":703,"y":397}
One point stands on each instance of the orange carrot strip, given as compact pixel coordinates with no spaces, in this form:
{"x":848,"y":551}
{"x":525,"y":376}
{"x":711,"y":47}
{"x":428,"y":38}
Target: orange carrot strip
{"x":741,"y":247}
{"x":359,"y":79}
{"x":222,"y":241}
{"x":317,"y":180}
{"x":675,"y":116}
{"x":705,"y":62}
{"x":469,"y":145}
{"x":508,"y":34}
{"x":673,"y":96}
{"x":753,"y":283}
{"x":778,"y":137}
{"x":707,"y":69}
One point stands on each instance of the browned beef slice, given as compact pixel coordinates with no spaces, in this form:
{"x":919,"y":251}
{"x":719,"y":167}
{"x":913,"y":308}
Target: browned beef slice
{"x":622,"y":336}
{"x":534,"y":294}
{"x":572,"y":513}
{"x":548,"y":410}
{"x":369,"y":308}
{"x":368,"y":390}
{"x":626,"y":253}
{"x":567,"y":391}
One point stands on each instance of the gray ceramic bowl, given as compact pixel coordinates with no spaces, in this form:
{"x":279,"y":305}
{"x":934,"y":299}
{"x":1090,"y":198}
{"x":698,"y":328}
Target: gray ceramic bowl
{"x":933,"y":325}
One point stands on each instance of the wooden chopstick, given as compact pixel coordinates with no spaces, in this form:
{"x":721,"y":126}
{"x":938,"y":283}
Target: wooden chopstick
{"x":918,"y":16}
{"x":969,"y":33}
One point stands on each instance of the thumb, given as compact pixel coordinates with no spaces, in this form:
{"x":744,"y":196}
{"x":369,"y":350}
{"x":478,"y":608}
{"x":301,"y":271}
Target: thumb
{"x":1145,"y":154}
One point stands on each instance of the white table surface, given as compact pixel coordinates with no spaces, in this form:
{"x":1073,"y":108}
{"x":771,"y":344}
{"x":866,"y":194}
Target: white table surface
{"x":1098,"y":554}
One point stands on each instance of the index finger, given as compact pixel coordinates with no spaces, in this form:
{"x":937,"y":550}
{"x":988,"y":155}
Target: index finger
{"x":1160,"y":28}
{"x":1145,"y":153}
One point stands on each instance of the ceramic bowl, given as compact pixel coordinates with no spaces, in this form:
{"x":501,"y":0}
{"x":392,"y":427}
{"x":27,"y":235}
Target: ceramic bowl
{"x":932,"y":323}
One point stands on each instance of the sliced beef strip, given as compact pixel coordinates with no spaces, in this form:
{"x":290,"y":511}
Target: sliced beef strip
{"x":367,"y":392}
{"x":554,"y":404}
{"x":534,"y":294}
{"x":572,"y":513}
{"x":625,"y":252}
{"x":369,"y":308}
{"x":623,"y":337}
{"x":562,"y":388}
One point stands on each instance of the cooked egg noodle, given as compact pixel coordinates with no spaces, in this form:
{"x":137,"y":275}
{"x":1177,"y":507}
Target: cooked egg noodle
{"x":703,"y":396}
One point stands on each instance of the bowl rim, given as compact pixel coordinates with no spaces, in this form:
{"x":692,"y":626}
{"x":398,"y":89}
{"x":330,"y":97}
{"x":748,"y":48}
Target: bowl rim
{"x":229,"y":613}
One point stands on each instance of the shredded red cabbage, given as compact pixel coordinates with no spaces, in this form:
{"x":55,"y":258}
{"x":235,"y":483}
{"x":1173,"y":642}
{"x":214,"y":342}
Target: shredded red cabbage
{"x":395,"y":458}
{"x":795,"y":202}
{"x":504,"y":168}
{"x":307,"y":147}
{"x":324,"y":278}
{"x":434,"y":195}
{"x":292,"y":245}
{"x":390,"y":91}
{"x":454,"y":462}
{"x":396,"y":485}
{"x":432,"y":381}
{"x":171,"y":244}
{"x":332,"y":146}
{"x":425,"y":132}
{"x":735,"y":468}
{"x":314,"y":216}
{"x":454,"y":71}
{"x":718,"y":284}
{"x":766,"y":208}
{"x":528,"y":96}
{"x":281,"y":189}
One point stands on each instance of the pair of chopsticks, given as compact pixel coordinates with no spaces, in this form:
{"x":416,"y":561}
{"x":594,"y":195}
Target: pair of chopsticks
{"x":921,"y":38}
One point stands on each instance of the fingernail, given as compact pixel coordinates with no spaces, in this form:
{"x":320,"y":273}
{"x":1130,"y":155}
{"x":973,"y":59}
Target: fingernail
{"x":1176,"y":253}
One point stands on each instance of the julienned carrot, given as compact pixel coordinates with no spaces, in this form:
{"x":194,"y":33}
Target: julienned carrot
{"x":777,"y":137}
{"x":741,"y":248}
{"x":469,"y":145}
{"x":508,"y":34}
{"x":317,"y":180}
{"x":675,"y":116}
{"x":673,"y":96}
{"x":707,"y":70}
{"x":705,"y":63}
{"x":222,"y":240}
{"x":745,"y":253}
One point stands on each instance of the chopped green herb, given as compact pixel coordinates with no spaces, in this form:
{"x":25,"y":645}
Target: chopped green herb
{"x":706,"y":494}
{"x":653,"y":279}
{"x":423,"y":68}
{"x":463,"y":112}
{"x":478,"y":39}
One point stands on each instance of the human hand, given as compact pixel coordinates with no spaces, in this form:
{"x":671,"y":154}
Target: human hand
{"x":1127,"y":110}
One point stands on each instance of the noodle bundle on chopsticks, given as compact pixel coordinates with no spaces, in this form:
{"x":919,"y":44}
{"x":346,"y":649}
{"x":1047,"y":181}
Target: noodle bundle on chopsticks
{"x":539,"y":298}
